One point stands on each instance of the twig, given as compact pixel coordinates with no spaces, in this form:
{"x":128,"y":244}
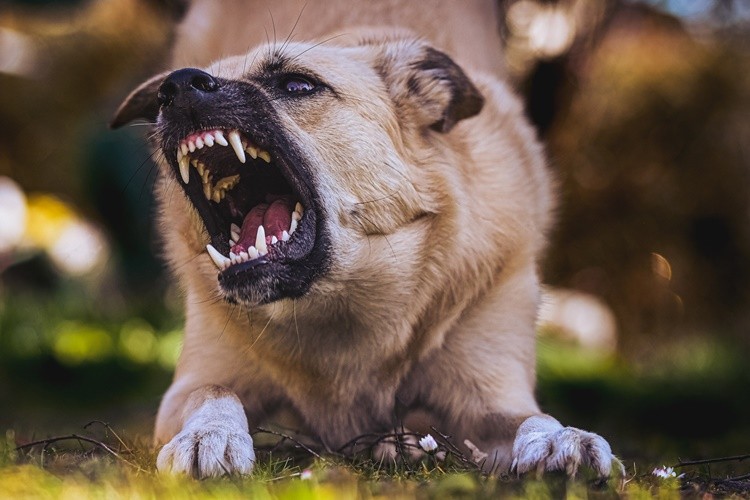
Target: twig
{"x":712,"y":460}
{"x":290,"y":438}
{"x":109,"y":429}
{"x":49,"y":441}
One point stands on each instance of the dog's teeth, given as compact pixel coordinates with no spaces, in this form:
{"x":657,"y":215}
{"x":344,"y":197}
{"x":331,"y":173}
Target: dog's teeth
{"x":185,"y":169}
{"x":252,"y":252}
{"x":227,"y":183}
{"x":236,"y":142}
{"x":179,"y":155}
{"x":292,"y":227}
{"x":284,"y":236}
{"x":234,"y":228}
{"x":265,"y":155}
{"x":199,"y":143}
{"x":232,"y":256}
{"x":274,"y":240}
{"x":209,"y":140}
{"x":200,"y":167}
{"x":296,"y":216}
{"x":252,"y":151}
{"x":245,"y":256}
{"x":219,"y":135}
{"x":184,"y":149}
{"x":207,"y":190}
{"x":218,"y":259}
{"x":260,"y":241}
{"x":232,"y":243}
{"x":298,"y":208}
{"x":235,"y":237}
{"x":191,"y":146}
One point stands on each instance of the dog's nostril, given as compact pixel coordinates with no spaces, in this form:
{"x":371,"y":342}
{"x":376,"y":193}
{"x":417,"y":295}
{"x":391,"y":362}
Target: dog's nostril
{"x":204,"y":82}
{"x":184,"y":81}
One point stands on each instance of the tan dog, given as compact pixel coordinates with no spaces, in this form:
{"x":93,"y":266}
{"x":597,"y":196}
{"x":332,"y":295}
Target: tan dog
{"x":375,"y":212}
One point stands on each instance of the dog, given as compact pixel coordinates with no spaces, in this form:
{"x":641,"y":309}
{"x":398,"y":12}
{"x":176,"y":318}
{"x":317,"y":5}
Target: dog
{"x":356,"y":221}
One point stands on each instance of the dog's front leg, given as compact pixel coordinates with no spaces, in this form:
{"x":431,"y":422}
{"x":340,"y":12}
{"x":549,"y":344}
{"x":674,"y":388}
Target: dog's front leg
{"x":214,"y":438}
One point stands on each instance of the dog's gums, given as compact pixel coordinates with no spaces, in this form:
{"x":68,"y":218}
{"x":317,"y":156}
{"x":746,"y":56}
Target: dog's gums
{"x":262,"y":209}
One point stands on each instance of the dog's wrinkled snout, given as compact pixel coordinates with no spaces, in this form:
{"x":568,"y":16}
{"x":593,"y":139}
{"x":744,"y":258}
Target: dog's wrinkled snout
{"x":187,"y":83}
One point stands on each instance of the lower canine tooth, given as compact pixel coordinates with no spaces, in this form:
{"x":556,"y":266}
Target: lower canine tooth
{"x":260,"y":241}
{"x":218,"y":259}
{"x":185,"y":169}
{"x":292,"y":227}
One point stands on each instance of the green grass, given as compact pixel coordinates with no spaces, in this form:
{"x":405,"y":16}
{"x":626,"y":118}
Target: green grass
{"x":76,"y":470}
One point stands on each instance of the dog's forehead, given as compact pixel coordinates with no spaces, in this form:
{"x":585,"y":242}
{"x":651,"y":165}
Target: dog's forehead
{"x":313,"y":57}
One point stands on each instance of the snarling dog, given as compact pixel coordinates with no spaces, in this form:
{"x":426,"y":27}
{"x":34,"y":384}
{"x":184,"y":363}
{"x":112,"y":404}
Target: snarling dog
{"x":356,"y":225}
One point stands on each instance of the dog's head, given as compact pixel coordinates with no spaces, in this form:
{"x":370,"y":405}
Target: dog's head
{"x":291,"y":157}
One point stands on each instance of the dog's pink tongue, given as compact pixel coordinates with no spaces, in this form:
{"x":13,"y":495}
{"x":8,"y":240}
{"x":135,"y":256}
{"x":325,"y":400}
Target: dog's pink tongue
{"x":275,"y":217}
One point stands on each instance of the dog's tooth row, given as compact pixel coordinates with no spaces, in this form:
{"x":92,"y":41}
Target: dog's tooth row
{"x":240,"y":146}
{"x":261,"y":247}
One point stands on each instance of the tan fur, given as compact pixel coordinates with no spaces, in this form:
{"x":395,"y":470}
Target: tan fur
{"x":432,"y":295}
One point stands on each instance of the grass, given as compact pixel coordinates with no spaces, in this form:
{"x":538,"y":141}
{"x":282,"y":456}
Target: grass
{"x":72,"y":469}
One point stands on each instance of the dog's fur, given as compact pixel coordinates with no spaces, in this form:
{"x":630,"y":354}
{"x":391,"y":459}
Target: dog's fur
{"x":434,"y":198}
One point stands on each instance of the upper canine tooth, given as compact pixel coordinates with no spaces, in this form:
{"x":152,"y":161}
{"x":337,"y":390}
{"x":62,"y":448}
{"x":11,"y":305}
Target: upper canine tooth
{"x":265,"y":155}
{"x":185,"y":169}
{"x":218,"y":259}
{"x":260,"y":241}
{"x":220,"y":138}
{"x":236,"y":142}
{"x":209,"y":140}
{"x":298,"y":208}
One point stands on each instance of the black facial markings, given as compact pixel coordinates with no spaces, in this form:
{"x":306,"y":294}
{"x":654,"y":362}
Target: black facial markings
{"x":247,"y":107}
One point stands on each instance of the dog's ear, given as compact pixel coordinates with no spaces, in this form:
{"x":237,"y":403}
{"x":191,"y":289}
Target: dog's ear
{"x":140,"y":104}
{"x":427,"y":86}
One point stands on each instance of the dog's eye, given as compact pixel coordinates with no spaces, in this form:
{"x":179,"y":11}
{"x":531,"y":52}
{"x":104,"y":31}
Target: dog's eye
{"x":297,"y":85}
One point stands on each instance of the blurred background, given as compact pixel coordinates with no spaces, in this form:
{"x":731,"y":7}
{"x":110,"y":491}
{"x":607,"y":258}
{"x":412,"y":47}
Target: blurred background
{"x":645,"y":111}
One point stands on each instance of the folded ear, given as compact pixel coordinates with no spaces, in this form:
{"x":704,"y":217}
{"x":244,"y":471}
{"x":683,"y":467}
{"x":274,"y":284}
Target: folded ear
{"x":427,"y":86}
{"x":140,"y":104}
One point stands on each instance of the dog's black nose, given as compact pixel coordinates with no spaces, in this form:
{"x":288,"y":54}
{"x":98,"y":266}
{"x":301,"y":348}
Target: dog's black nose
{"x":185,"y":82}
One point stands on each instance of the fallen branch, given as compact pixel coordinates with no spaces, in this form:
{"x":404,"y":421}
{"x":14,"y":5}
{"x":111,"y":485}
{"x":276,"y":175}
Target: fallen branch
{"x":76,"y":437}
{"x":734,"y":458}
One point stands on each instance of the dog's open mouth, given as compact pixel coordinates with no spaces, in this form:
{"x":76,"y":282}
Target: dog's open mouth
{"x":252,"y":203}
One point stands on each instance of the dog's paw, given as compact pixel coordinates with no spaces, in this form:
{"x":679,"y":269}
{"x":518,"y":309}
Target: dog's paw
{"x":543,"y":444}
{"x":214,"y":450}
